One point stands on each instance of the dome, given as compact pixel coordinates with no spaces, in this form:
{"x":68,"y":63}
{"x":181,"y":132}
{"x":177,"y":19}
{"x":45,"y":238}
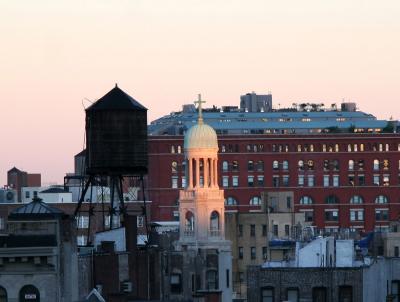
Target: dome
{"x":201,"y":136}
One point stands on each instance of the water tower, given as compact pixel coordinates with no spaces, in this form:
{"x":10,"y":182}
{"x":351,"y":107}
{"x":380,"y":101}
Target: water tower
{"x":116,"y":145}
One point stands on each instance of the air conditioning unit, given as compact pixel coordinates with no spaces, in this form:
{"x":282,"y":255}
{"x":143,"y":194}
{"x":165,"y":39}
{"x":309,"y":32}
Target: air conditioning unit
{"x":8,"y":196}
{"x":126,"y":286}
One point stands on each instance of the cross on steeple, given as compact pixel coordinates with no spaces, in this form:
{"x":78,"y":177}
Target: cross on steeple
{"x":199,"y":101}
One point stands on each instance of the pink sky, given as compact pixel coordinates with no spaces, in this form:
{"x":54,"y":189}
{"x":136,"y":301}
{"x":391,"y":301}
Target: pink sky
{"x":54,"y":54}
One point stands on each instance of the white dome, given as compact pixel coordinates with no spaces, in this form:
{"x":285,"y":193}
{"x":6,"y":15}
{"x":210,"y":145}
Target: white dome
{"x":201,"y":136}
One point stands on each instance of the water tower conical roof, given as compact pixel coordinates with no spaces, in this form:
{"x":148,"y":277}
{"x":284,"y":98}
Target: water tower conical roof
{"x":116,"y":99}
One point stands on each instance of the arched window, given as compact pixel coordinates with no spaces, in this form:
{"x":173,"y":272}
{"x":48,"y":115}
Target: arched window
{"x":362,"y":147}
{"x":285,"y":165}
{"x":235,"y":166}
{"x":255,"y":200}
{"x":275,"y":165}
{"x":301,"y":164}
{"x":351,"y":164}
{"x":179,"y":149}
{"x":331,"y":199}
{"x":250,"y":165}
{"x":310,"y":164}
{"x":230,"y":201}
{"x":356,"y":199}
{"x":174,"y":167}
{"x":225,"y":166}
{"x":376,"y":164}
{"x":29,"y":293}
{"x":311,"y":148}
{"x":214,"y":222}
{"x":381,"y":199}
{"x":189,"y":221}
{"x":336,"y":147}
{"x":349,"y":148}
{"x":306,"y":200}
{"x":172,"y":149}
{"x":3,"y":294}
{"x":260,"y":165}
{"x":385,"y":164}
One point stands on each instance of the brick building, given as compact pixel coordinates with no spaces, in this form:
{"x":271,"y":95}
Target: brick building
{"x":340,"y":180}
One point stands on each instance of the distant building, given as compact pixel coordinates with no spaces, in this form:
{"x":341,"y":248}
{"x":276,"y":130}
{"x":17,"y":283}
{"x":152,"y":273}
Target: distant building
{"x":38,"y":255}
{"x":16,"y":179}
{"x":252,"y":102}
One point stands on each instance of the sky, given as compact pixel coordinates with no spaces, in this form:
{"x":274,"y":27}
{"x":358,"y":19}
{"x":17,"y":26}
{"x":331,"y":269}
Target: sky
{"x":58,"y":56}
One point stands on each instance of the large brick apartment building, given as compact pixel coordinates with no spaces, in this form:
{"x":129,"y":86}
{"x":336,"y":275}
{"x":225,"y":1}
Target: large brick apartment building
{"x":342,"y":167}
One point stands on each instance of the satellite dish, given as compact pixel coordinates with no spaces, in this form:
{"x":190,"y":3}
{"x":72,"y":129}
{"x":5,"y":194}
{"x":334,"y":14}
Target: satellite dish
{"x":10,"y":196}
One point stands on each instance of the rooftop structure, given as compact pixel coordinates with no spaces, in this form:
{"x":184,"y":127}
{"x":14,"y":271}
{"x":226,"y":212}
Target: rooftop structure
{"x":305,"y":118}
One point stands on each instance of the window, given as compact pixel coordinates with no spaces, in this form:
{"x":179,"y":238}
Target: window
{"x":361,"y":180}
{"x":345,"y":293}
{"x":351,"y":180}
{"x":225,"y":181}
{"x":301,"y":180}
{"x":309,"y":216}
{"x":183,"y":182}
{"x":335,"y":164}
{"x":336,"y":180}
{"x":285,"y":180}
{"x":252,"y":230}
{"x":235,"y":166}
{"x":385,"y":164}
{"x":292,"y":295}
{"x":264,"y":252}
{"x":287,"y":230}
{"x":81,"y":240}
{"x":253,"y":252}
{"x":310,"y":164}
{"x":235,"y":181}
{"x":260,"y":166}
{"x":381,"y":214}
{"x":331,"y":199}
{"x":306,"y":200}
{"x":361,"y":164}
{"x":255,"y":201}
{"x":356,"y":199}
{"x":260,"y":180}
{"x":240,"y":252}
{"x":264,"y":230}
{"x":35,"y":194}
{"x":212,"y":281}
{"x":250,"y":181}
{"x":386,"y":180}
{"x":381,"y":199}
{"x":319,"y":294}
{"x":275,"y":165}
{"x":250,"y":165}
{"x":179,"y":149}
{"x":356,"y":215}
{"x":331,"y":215}
{"x":240,"y":230}
{"x":376,"y":165}
{"x":225,"y":166}
{"x":326,"y":180}
{"x":275,"y":230}
{"x":230,"y":201}
{"x":275,"y":181}
{"x":27,"y":194}
{"x":376,"y":180}
{"x":267,"y":294}
{"x":285,"y":165}
{"x":176,"y":283}
{"x":2,"y":225}
{"x":310,"y":180}
{"x":351,"y":165}
{"x":300,"y":164}
{"x":288,"y":202}
{"x":174,"y":182}
{"x":172,"y":149}
{"x":83,"y":222}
